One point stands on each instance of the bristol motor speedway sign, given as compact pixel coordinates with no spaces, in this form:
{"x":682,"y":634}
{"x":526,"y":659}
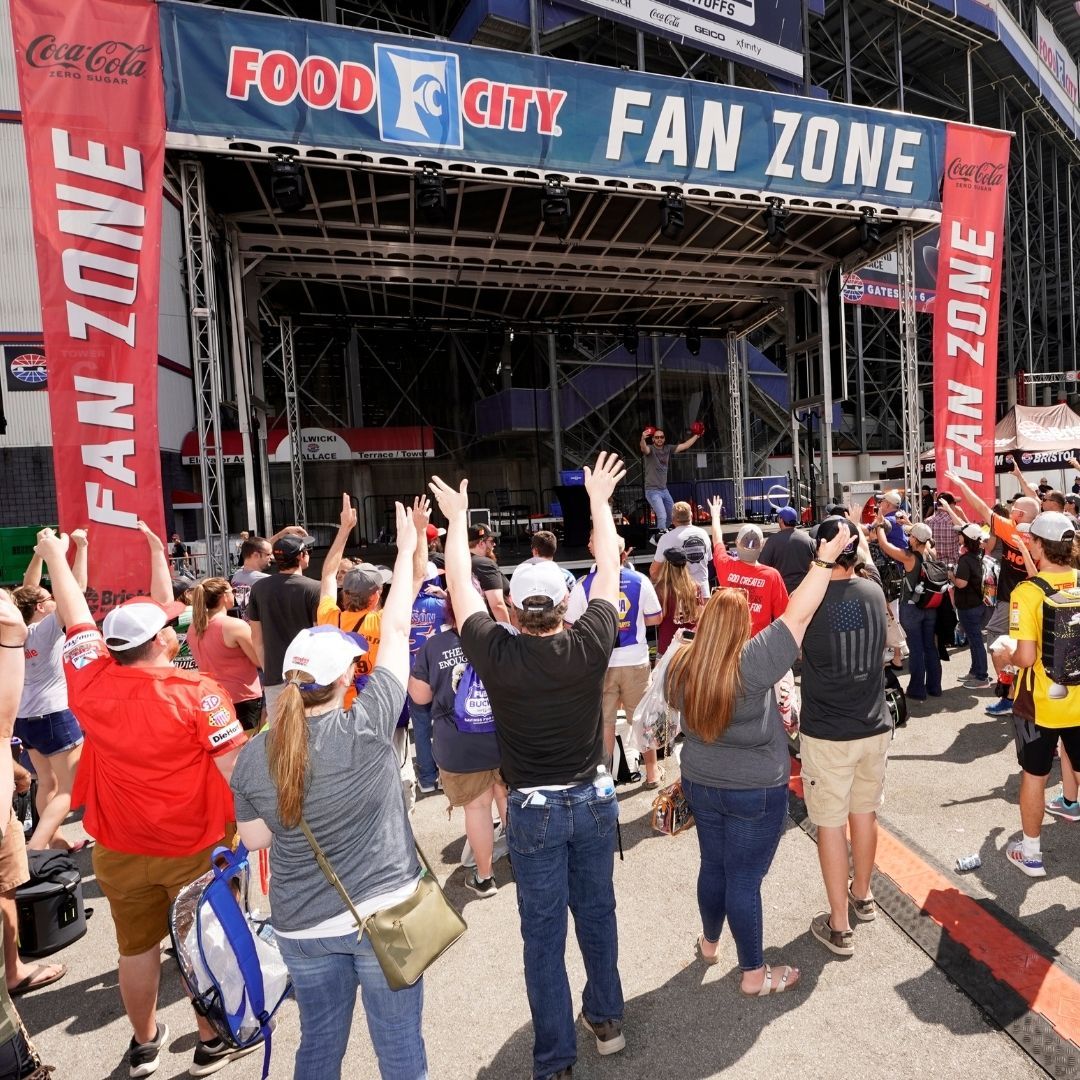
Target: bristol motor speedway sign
{"x":239,"y":76}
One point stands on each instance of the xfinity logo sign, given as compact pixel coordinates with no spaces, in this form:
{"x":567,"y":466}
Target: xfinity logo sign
{"x":419,"y":97}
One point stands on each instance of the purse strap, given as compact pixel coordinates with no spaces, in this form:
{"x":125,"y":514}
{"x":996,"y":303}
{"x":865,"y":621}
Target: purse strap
{"x":331,"y":876}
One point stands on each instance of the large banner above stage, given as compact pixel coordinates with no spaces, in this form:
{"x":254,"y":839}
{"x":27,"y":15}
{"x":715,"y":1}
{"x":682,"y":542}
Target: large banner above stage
{"x":967,"y":305}
{"x":90,"y":83}
{"x":239,"y":76}
{"x":764,"y":33}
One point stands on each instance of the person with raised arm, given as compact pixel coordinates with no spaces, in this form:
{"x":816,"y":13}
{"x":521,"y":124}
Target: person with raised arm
{"x":335,"y":771}
{"x":160,"y":746}
{"x":546,"y":691}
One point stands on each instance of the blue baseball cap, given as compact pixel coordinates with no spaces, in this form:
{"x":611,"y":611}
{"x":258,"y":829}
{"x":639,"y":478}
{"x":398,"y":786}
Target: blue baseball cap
{"x":787,"y":515}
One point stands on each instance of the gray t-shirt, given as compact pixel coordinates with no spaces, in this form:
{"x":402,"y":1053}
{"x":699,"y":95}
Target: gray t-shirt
{"x":656,"y":467}
{"x":45,"y":688}
{"x":843,"y":681}
{"x":241,"y":583}
{"x":352,"y":803}
{"x":752,"y":752}
{"x":282,"y":605}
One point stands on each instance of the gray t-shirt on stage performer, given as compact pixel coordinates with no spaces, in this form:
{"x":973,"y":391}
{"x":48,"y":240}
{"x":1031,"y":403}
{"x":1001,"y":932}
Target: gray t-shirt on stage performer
{"x":753,"y":750}
{"x":656,"y":467}
{"x":352,"y":802}
{"x":843,"y":681}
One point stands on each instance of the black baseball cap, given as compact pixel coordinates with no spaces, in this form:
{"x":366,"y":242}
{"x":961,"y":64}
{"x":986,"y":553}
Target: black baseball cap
{"x":831,"y":527}
{"x":478,"y":533}
{"x":289,"y":548}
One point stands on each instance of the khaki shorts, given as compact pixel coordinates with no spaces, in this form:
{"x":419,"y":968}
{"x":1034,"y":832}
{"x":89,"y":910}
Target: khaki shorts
{"x":460,"y":788}
{"x":841,"y":778}
{"x":626,"y":686}
{"x":140,"y":889}
{"x":14,"y":870}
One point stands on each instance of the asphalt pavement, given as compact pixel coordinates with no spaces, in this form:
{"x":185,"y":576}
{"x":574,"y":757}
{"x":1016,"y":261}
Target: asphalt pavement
{"x":887,"y":1012}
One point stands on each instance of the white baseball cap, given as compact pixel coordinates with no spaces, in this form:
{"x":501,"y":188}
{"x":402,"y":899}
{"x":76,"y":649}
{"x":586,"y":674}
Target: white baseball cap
{"x":136,"y":621}
{"x":748,"y":543}
{"x":972,"y":531}
{"x":542,"y":578}
{"x":892,"y":496}
{"x":1053,"y":526}
{"x":324,"y":652}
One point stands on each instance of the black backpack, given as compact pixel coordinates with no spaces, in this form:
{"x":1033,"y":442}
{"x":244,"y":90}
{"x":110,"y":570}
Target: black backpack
{"x":1060,"y":632}
{"x":933,"y":583}
{"x":894,"y":699}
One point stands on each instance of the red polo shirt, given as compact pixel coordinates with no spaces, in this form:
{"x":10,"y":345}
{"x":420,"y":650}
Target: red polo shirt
{"x":147,"y":776}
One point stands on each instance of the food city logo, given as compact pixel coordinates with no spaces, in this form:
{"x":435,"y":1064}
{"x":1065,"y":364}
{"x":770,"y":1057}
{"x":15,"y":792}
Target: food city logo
{"x":418,"y":93}
{"x":108,"y":61}
{"x":982,"y":175}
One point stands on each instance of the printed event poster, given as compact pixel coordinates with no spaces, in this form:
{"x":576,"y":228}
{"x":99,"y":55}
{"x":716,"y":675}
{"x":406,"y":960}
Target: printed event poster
{"x":94,"y":123}
{"x":967,"y":304}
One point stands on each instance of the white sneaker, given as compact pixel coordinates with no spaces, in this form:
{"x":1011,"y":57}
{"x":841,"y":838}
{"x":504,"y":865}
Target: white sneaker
{"x":500,"y":851}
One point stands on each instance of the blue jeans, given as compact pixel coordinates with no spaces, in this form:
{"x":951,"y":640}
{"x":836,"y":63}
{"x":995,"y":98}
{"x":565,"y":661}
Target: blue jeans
{"x":662,"y":505}
{"x":923,"y":661}
{"x":562,"y":851}
{"x":427,"y":771}
{"x":738,"y":832}
{"x":325,"y":974}
{"x":972,"y":619}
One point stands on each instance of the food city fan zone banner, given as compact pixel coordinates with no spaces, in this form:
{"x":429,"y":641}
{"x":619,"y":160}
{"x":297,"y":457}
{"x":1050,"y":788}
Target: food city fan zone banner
{"x":239,"y":76}
{"x":90,"y":82}
{"x":967,"y":304}
{"x":764,"y":33}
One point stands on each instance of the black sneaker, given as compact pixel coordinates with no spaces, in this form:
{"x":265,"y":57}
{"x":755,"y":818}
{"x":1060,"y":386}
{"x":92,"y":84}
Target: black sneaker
{"x":484,"y":887}
{"x":609,"y":1035}
{"x":144,"y":1058}
{"x":211,"y":1056}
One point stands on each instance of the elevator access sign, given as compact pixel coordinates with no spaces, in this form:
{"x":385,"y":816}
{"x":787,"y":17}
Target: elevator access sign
{"x":243,"y":77}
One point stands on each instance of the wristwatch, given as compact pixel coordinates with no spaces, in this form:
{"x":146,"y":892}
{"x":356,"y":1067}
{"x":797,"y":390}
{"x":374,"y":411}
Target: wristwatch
{"x":823,"y":564}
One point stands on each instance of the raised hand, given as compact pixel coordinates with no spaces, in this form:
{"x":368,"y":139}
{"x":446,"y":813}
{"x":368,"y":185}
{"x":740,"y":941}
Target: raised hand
{"x":602,"y":479}
{"x":152,"y":537}
{"x":348,"y":512}
{"x":79,"y":537}
{"x":10,"y":619}
{"x":421,"y":512}
{"x":451,"y":501}
{"x":829,"y":549}
{"x":406,"y":534}
{"x":50,"y":546}
{"x":716,"y":506}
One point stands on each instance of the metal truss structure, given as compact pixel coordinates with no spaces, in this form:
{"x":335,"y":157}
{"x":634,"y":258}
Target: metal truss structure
{"x":292,"y":419}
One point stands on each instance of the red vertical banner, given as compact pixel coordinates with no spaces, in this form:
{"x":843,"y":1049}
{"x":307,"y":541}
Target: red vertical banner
{"x":93,"y":116}
{"x":967,"y":307}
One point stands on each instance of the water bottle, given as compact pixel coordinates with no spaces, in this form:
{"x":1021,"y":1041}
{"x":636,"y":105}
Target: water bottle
{"x":603,"y":785}
{"x":968,"y":862}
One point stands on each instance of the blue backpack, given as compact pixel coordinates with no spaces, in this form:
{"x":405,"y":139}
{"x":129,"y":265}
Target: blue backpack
{"x":228,"y":958}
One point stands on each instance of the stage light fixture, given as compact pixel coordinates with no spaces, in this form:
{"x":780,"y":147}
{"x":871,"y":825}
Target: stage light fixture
{"x":565,"y":339}
{"x":630,"y":339}
{"x":869,"y":229}
{"x":555,"y":205}
{"x":776,"y":219}
{"x":287,"y":187}
{"x":430,"y":195}
{"x":672,"y":214}
{"x":693,"y":341}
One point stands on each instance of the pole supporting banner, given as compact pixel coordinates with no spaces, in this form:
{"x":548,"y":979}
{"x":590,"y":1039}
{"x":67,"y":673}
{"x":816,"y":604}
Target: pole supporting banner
{"x":967,"y":305}
{"x":94,"y":122}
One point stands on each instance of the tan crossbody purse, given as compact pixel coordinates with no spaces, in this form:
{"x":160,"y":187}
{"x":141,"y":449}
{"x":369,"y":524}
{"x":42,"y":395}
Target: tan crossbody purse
{"x":408,"y":937}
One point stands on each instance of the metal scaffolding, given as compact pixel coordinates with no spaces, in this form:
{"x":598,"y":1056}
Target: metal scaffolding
{"x":292,"y":420}
{"x":206,"y":362}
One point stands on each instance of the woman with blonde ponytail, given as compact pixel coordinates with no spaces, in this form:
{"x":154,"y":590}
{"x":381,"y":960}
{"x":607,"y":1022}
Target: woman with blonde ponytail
{"x":335,"y":769}
{"x":222,"y":648}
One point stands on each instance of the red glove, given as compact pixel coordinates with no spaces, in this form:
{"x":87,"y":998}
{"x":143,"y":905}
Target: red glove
{"x":649,"y":432}
{"x":697,"y":428}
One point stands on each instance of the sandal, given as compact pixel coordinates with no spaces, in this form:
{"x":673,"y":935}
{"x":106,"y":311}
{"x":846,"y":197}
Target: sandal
{"x":711,"y":961}
{"x":652,"y":785}
{"x":28,"y":984}
{"x":767,"y":986}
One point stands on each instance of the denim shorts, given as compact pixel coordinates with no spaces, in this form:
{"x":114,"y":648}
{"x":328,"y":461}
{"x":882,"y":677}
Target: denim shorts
{"x":50,"y":734}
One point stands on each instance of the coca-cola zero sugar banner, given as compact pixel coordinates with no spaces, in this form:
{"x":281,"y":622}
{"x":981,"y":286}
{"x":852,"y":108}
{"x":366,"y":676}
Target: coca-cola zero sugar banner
{"x":967,"y":305}
{"x":94,"y":123}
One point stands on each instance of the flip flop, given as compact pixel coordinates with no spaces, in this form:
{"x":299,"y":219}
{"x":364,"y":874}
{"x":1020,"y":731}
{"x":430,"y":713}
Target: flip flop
{"x":80,"y":845}
{"x":767,"y":987}
{"x":28,"y":984}
{"x":712,"y":961}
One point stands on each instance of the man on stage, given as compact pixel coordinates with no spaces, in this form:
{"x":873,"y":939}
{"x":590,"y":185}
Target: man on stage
{"x":657,"y":459}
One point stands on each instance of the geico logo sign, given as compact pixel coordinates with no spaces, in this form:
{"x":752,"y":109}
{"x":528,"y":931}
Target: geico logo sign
{"x":710,"y":32}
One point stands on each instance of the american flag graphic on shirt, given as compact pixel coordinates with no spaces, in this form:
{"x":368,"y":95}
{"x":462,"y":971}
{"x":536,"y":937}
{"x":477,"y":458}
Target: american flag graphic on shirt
{"x":852,"y":644}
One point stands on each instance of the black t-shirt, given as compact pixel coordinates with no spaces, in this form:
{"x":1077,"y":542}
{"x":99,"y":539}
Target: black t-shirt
{"x":969,"y":569}
{"x":282,"y":605}
{"x":791,"y":551}
{"x":843,"y":691}
{"x":546,"y":694}
{"x":488,"y":574}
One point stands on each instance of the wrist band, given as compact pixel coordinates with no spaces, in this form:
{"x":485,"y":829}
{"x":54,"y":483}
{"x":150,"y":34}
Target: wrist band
{"x":823,"y":564}
{"x":3,"y":646}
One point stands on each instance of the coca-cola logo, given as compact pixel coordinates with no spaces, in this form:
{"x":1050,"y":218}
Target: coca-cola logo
{"x":665,"y":18}
{"x":115,"y":58}
{"x":984,"y":174}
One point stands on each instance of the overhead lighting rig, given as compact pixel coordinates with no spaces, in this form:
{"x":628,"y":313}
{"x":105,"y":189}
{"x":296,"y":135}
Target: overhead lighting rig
{"x":555,"y":205}
{"x":287,"y":187}
{"x":430,"y":195}
{"x":672,"y":214}
{"x":776,"y":219}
